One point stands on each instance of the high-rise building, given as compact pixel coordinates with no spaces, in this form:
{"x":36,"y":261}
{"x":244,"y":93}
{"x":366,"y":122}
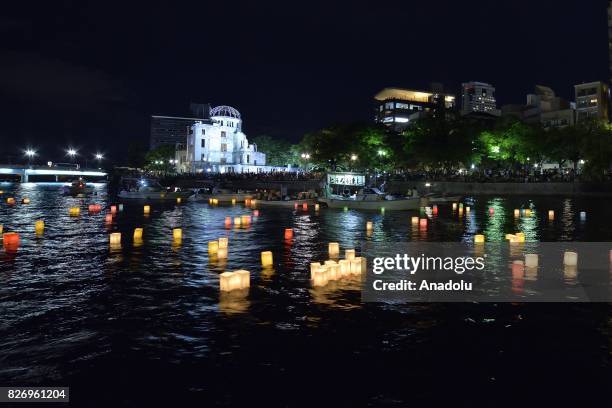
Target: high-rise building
{"x":173,"y":130}
{"x":478,"y":98}
{"x":592,"y":101}
{"x":397,"y":107}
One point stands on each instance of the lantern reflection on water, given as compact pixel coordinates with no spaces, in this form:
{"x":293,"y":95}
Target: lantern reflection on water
{"x":113,"y":209}
{"x":531,"y":260}
{"x":108,"y":218}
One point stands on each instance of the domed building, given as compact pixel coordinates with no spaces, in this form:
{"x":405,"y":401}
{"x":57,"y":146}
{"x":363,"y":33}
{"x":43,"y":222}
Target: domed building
{"x":219,"y":145}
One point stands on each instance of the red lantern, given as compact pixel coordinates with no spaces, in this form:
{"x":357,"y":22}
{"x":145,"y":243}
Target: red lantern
{"x":10,"y":241}
{"x":113,"y":209}
{"x":491,"y":211}
{"x":435,"y":210}
{"x":228,"y":222}
{"x":295,"y":206}
{"x":305,"y":206}
{"x":108,"y":219}
{"x":255,"y":213}
{"x":288,"y":233}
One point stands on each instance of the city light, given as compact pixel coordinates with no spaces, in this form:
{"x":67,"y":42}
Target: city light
{"x":71,"y":152}
{"x":382,"y":153}
{"x":305,"y":156}
{"x":30,"y":153}
{"x":353,"y":157}
{"x":99,"y":156}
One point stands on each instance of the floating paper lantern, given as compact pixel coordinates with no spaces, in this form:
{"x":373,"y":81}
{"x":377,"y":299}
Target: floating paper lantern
{"x":345,"y":209}
{"x":91,"y":208}
{"x":137,"y":234}
{"x":317,"y":207}
{"x":245,"y":219}
{"x":247,"y":202}
{"x":108,"y":218}
{"x":435,"y":210}
{"x":215,"y":201}
{"x":491,"y":211}
{"x":113,"y":209}
{"x":147,"y":209}
{"x":1,"y":228}
{"x":582,"y":215}
{"x":460,"y":206}
{"x":527,"y":212}
{"x":461,"y":211}
{"x":518,"y":269}
{"x":39,"y":227}
{"x":210,"y":201}
{"x":233,"y":201}
{"x":295,"y":206}
{"x":382,"y":210}
{"x":178,"y":200}
{"x":454,"y":206}
{"x":288,"y":233}
{"x":333,"y":272}
{"x":115,"y":238}
{"x":415,"y":220}
{"x":551,"y":215}
{"x":531,"y":260}
{"x":520,"y":236}
{"x":236,"y":280}
{"x":344,"y":265}
{"x":369,"y":226}
{"x":334,"y":249}
{"x":570,"y":258}
{"x":423,"y":223}
{"x":479,"y":239}
{"x":253,"y":203}
{"x":237,"y":221}
{"x":221,"y":253}
{"x":10,"y":241}
{"x":467,"y":209}
{"x":355,"y":266}
{"x":213,"y":247}
{"x":266,"y":258}
{"x":330,"y":262}
{"x":517,"y":213}
{"x":305,"y":206}
{"x":10,"y":201}
{"x":245,"y":278}
{"x":314,"y":266}
{"x":177,"y":234}
{"x":320,"y":277}
{"x":223,"y":242}
{"x":75,"y":211}
{"x":120,"y":207}
{"x":255,"y":213}
{"x":349,"y":254}
{"x":25,"y":200}
{"x":509,"y":236}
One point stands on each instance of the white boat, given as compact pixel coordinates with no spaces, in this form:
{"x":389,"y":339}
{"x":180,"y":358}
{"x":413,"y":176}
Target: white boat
{"x":145,"y":189}
{"x":376,"y":203}
{"x":223,"y":195}
{"x":285,"y":203}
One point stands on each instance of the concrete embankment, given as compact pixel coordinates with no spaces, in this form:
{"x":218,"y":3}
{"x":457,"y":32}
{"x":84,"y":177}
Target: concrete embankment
{"x":465,"y":188}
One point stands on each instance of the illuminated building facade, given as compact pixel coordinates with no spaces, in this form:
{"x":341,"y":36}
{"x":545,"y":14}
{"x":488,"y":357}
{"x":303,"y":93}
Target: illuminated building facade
{"x":397,"y":107}
{"x":478,"y":98}
{"x":219,"y":145}
{"x":592,"y":101}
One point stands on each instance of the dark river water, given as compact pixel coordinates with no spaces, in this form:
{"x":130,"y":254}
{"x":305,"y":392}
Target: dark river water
{"x":146,"y":325}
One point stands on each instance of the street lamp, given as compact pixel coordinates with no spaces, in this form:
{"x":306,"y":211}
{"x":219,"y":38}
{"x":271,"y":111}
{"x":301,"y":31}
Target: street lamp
{"x":29,"y":154}
{"x":71,"y":152}
{"x":353,"y":157}
{"x":382,"y":153}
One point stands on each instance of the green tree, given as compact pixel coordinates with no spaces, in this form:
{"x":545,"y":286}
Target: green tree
{"x":159,"y":158}
{"x":278,"y":152}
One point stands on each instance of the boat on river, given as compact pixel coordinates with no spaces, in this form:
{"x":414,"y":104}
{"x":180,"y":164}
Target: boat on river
{"x":221,"y":194}
{"x":285,"y":203}
{"x":149,"y":189}
{"x":78,"y":188}
{"x":348,"y":190}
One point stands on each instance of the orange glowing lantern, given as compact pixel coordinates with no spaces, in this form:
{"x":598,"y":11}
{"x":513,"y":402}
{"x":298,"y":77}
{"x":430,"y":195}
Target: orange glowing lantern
{"x":10,"y":241}
{"x":423,"y":223}
{"x":434,"y":210}
{"x":25,"y":200}
{"x":228,"y":221}
{"x":295,"y":206}
{"x":108,"y":218}
{"x":10,"y":201}
{"x":75,"y":211}
{"x":288,"y":233}
{"x":255,"y":213}
{"x":113,"y":209}
{"x":305,"y":206}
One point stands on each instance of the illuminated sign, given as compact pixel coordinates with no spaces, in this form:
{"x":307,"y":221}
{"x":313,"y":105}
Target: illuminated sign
{"x":346,"y":179}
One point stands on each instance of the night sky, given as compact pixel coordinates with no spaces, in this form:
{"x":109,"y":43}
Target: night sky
{"x":90,"y":75}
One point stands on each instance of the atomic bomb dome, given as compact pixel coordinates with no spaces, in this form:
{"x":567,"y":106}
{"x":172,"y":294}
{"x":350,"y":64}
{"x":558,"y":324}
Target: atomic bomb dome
{"x":224,"y":111}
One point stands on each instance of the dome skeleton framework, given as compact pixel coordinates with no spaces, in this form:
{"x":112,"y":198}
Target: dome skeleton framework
{"x":225,"y":111}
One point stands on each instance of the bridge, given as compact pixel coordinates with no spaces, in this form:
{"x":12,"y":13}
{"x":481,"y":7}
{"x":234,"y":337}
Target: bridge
{"x":24,"y":172}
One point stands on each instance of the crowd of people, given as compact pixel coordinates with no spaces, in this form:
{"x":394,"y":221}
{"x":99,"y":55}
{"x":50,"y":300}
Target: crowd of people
{"x":489,"y":176}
